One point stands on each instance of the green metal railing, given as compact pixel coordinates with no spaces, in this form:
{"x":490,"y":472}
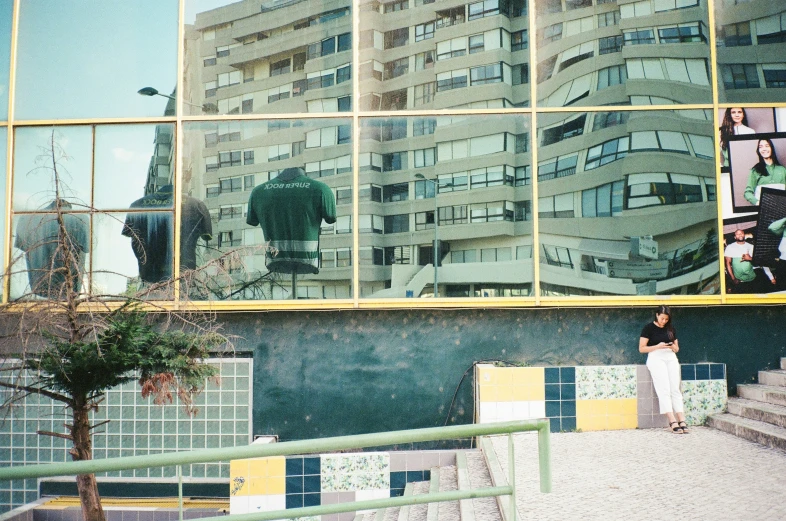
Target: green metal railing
{"x":319,"y":446}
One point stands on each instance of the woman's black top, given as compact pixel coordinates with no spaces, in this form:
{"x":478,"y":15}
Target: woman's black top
{"x":655,"y":335}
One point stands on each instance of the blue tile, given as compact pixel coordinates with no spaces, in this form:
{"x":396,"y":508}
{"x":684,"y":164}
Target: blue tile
{"x":552,"y":391}
{"x":554,"y":427}
{"x":552,"y":409}
{"x":567,"y":375}
{"x":717,"y":372}
{"x":414,"y":475}
{"x":294,"y":466}
{"x":552,"y":375}
{"x":312,"y":500}
{"x":398,"y":480}
{"x":568,"y":408}
{"x":702,"y":371}
{"x":312,"y":484}
{"x":311,"y":466}
{"x":568,"y":424}
{"x":396,"y":492}
{"x":568,"y":391}
{"x":688,"y":372}
{"x":426,"y":475}
{"x":294,"y":500}
{"x":294,"y":485}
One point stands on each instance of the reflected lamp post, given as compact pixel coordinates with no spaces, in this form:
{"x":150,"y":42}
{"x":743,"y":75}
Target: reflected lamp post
{"x":207,"y":108}
{"x":436,"y":249}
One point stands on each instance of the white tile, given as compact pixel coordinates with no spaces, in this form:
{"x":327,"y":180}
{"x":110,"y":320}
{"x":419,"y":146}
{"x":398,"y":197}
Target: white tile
{"x":257,"y":504}
{"x":277,"y":502}
{"x":367,"y":495}
{"x":537,"y":409}
{"x":238,"y":505}
{"x":520,"y":410}
{"x":488,"y":412}
{"x":505,"y":411}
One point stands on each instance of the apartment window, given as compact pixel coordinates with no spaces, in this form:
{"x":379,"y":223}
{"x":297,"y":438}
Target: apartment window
{"x":343,"y":257}
{"x":451,"y":48}
{"x":320,"y":80}
{"x":424,"y":60}
{"x":227,"y":159}
{"x":577,"y":4}
{"x":280,"y":67}
{"x":610,"y":44}
{"x":345,"y":104}
{"x":523,"y":211}
{"x":668,"y":5}
{"x":476,"y":43}
{"x":774,"y":76}
{"x":608,"y":19}
{"x":495,"y":255}
{"x":229,"y":239}
{"x":394,"y":161}
{"x":344,"y":43}
{"x":424,"y":93}
{"x":690,"y":33}
{"x":247,"y":106}
{"x":518,"y":8}
{"x":463,"y":256}
{"x":210,"y":89}
{"x":563,"y":166}
{"x":327,"y":259}
{"x":392,"y":7}
{"x":212,"y":191}
{"x":552,"y":33}
{"x":522,"y":143}
{"x":343,"y":74}
{"x":639,"y":37}
{"x":424,"y":189}
{"x":557,"y":256}
{"x":395,"y":192}
{"x":344,"y":195}
{"x":546,"y":68}
{"x":396,"y":38}
{"x":523,"y":176}
{"x":278,"y":152}
{"x":451,"y":80}
{"x":299,"y":87}
{"x":607,"y":152}
{"x":298,"y":147}
{"x":230,"y":212}
{"x":656,"y":189}
{"x":424,"y":220}
{"x":519,"y":41}
{"x":398,"y":255}
{"x":423,"y":126}
{"x":397,"y":223}
{"x":424,"y":31}
{"x":449,"y":215}
{"x":450,"y":17}
{"x":565,"y":130}
{"x":603,"y":201}
{"x":425,"y":157}
{"x":396,"y":68}
{"x":520,"y":74}
{"x":222,"y":51}
{"x":485,"y":74}
{"x":392,"y":129}
{"x":740,"y":76}
{"x":344,"y":134}
{"x":249,"y":182}
{"x":610,"y":76}
{"x":207,"y":62}
{"x":455,"y":182}
{"x":483,"y":9}
{"x":492,"y":212}
{"x":491,"y":176}
{"x":299,"y":61}
{"x":248,"y":157}
{"x":371,"y":193}
{"x":609,"y":119}
{"x":736,"y":35}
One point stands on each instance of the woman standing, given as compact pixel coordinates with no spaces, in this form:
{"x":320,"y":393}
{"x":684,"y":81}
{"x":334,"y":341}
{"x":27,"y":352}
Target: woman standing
{"x":659,"y":340}
{"x":735,"y":123}
{"x":767,"y":171}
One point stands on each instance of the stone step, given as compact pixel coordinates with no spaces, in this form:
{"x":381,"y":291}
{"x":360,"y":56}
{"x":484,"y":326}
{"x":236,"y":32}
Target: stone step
{"x":403,"y":513}
{"x":390,"y":514}
{"x":448,"y":480}
{"x":766,"y":412}
{"x":466,"y":508}
{"x":486,"y":509}
{"x":783,"y":362}
{"x":763,"y":393}
{"x":418,"y":512}
{"x":432,"y":509}
{"x":753,"y":430}
{"x":775,"y":378}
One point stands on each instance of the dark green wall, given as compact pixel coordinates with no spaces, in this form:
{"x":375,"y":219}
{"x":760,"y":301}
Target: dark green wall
{"x":320,"y":374}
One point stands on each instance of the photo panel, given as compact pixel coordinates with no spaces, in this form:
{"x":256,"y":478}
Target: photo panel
{"x":754,"y":164}
{"x":416,"y":54}
{"x":245,"y":59}
{"x":627,"y":204}
{"x":265,"y":214}
{"x":647,"y":52}
{"x":743,"y":121}
{"x":445,"y":203}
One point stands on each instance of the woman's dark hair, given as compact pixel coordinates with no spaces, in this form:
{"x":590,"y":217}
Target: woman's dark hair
{"x":761,"y":166}
{"x":665,"y":310}
{"x":727,"y":126}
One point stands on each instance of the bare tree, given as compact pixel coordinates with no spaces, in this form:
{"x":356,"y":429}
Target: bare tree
{"x":65,"y":342}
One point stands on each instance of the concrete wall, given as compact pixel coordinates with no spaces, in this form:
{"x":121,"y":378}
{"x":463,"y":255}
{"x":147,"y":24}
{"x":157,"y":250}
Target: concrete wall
{"x":320,"y":374}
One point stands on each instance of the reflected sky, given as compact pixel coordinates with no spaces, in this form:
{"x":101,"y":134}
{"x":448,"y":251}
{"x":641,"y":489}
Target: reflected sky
{"x":83,"y":59}
{"x":6,"y":17}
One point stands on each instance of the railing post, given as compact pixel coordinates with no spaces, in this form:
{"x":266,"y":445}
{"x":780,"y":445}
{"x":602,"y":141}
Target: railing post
{"x":180,"y":492}
{"x":512,"y":477}
{"x":544,"y":456}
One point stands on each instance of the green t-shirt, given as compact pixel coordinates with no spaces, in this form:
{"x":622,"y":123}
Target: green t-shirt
{"x":777,"y":176}
{"x":290,"y":211}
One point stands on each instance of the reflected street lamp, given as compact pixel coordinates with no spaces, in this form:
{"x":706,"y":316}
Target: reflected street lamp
{"x":436,"y":249}
{"x":207,"y":108}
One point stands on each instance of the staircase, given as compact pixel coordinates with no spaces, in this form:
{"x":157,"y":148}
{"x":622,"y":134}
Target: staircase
{"x":471,"y":471}
{"x":759,"y":411}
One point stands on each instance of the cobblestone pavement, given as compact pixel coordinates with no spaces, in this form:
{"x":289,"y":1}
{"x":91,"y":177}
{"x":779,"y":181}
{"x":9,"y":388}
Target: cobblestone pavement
{"x":650,"y":475}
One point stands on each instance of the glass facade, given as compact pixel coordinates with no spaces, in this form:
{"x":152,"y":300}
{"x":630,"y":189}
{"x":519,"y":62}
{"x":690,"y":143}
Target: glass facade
{"x":564,"y":151}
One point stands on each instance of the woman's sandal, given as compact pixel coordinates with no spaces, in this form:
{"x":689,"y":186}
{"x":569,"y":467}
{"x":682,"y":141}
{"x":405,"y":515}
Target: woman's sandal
{"x":677,"y":429}
{"x":684,"y":427}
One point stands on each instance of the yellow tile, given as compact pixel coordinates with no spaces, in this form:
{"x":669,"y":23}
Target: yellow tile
{"x":630,"y":421}
{"x":238,"y":468}
{"x":505,"y":375}
{"x":630,"y":407}
{"x":528,"y":393}
{"x":277,"y":466}
{"x":489,"y":393}
{"x":488,"y":375}
{"x":614,"y":422}
{"x":614,"y":407}
{"x":591,"y":423}
{"x":257,"y":486}
{"x":529,"y":375}
{"x":257,"y":467}
{"x":584,"y":409}
{"x":276,"y":485}
{"x":505,"y":393}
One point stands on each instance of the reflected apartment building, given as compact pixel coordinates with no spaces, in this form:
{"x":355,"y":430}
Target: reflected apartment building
{"x":607,"y":179}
